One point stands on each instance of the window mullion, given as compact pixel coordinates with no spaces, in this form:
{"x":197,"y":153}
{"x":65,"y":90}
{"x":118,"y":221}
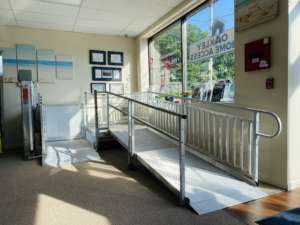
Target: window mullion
{"x":184,"y":55}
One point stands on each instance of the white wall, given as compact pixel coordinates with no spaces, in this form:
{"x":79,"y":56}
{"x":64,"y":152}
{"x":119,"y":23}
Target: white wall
{"x":142,"y":64}
{"x":251,"y":89}
{"x":75,"y":44}
{"x":294,"y":95}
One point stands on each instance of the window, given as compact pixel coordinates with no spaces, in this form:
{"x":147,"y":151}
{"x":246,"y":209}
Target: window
{"x":166,"y":61}
{"x":210,"y":51}
{"x":210,"y":37}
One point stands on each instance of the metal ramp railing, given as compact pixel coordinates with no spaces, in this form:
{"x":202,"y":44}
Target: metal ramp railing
{"x":226,"y":136}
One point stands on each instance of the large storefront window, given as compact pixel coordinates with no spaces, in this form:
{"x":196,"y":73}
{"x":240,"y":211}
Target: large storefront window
{"x":210,"y":36}
{"x":210,"y":54}
{"x":165,"y":61}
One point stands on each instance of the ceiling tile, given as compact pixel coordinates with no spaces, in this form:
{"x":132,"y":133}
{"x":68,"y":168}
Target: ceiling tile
{"x":97,"y":30}
{"x":102,"y":24}
{"x":63,"y":2}
{"x":44,"y":7}
{"x":43,"y":18}
{"x":123,"y":6}
{"x":7,"y":17}
{"x":134,"y":29}
{"x":4,"y":4}
{"x":105,"y":15}
{"x":48,"y":26}
{"x":117,"y":17}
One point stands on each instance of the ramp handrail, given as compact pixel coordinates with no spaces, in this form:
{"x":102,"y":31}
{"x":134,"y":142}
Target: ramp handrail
{"x":215,"y":133}
{"x":224,"y":136}
{"x":231,"y":106}
{"x":148,"y":105}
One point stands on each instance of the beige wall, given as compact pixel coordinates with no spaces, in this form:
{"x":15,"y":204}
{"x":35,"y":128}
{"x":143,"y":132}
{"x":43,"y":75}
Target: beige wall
{"x":251,"y":89}
{"x":142,"y":64}
{"x":75,"y":44}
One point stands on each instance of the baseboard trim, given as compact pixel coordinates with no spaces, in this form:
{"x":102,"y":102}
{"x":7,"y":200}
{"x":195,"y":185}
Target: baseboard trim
{"x":293,"y":184}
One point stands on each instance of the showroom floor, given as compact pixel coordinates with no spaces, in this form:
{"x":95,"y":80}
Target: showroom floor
{"x":90,"y":193}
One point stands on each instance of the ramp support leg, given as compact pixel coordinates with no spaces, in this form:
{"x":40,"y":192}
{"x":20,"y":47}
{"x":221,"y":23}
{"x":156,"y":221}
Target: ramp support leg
{"x":182,"y":161}
{"x":131,"y":136}
{"x":255,"y":145}
{"x":107,"y":115}
{"x":96,"y":119}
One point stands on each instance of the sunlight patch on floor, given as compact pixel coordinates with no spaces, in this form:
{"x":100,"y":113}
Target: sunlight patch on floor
{"x":51,"y":211}
{"x":107,"y":173}
{"x":55,"y":170}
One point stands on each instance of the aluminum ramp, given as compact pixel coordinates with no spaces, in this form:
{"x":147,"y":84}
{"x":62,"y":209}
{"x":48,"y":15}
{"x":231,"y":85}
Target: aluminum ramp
{"x":207,"y":187}
{"x":222,"y":138}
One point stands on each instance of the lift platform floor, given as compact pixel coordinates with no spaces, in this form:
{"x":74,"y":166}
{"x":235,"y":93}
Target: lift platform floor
{"x":59,"y":153}
{"x":207,"y":187}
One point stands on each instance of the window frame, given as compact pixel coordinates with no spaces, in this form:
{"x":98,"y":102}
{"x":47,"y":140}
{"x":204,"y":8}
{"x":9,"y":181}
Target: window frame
{"x":182,"y":21}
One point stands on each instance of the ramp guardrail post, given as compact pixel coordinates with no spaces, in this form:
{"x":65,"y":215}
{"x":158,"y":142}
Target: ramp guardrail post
{"x":107,"y":110}
{"x":131,"y":141}
{"x":96,"y":117}
{"x":182,"y":162}
{"x":255,"y":145}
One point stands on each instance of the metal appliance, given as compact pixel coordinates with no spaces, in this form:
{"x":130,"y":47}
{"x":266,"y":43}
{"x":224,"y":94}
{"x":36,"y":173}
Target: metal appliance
{"x":31,"y":123}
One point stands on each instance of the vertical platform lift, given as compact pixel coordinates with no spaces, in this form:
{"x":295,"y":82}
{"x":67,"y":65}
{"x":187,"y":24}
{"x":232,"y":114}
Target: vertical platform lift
{"x":30,"y":105}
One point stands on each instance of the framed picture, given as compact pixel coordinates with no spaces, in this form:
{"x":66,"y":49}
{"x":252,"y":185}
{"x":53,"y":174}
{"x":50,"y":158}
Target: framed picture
{"x":99,"y":87}
{"x":117,"y":74}
{"x":97,"y":57}
{"x":102,"y":73}
{"x":117,"y":88}
{"x":253,"y":12}
{"x":106,"y":74}
{"x":115,"y":58}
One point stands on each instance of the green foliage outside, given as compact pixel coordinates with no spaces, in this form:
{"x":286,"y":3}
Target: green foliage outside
{"x":169,"y":43}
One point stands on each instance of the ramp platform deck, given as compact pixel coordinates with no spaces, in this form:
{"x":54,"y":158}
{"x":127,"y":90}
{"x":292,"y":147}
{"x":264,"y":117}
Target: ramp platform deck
{"x":207,"y":187}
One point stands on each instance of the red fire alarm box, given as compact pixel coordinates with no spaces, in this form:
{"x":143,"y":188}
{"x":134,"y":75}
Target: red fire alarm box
{"x":258,"y":55}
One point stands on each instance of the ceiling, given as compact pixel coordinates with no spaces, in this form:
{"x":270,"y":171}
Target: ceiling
{"x":111,"y":17}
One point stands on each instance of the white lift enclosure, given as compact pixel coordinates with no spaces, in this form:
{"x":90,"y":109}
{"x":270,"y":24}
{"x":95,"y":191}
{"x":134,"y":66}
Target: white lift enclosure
{"x":65,"y":137}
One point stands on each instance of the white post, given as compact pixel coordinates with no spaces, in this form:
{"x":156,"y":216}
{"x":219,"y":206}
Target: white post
{"x":182,"y":139}
{"x":211,"y":60}
{"x":255,"y":147}
{"x":131,"y":140}
{"x":184,"y":56}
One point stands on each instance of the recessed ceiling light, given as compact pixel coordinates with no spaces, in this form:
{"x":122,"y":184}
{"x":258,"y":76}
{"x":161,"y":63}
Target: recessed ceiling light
{"x":63,"y":2}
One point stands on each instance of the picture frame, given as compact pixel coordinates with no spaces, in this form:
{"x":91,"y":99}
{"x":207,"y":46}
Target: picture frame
{"x":98,"y":57}
{"x":106,"y":74}
{"x":115,"y":58}
{"x":101,"y":74}
{"x":117,"y":74}
{"x":255,"y":12}
{"x":117,"y":88}
{"x":99,"y":87}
